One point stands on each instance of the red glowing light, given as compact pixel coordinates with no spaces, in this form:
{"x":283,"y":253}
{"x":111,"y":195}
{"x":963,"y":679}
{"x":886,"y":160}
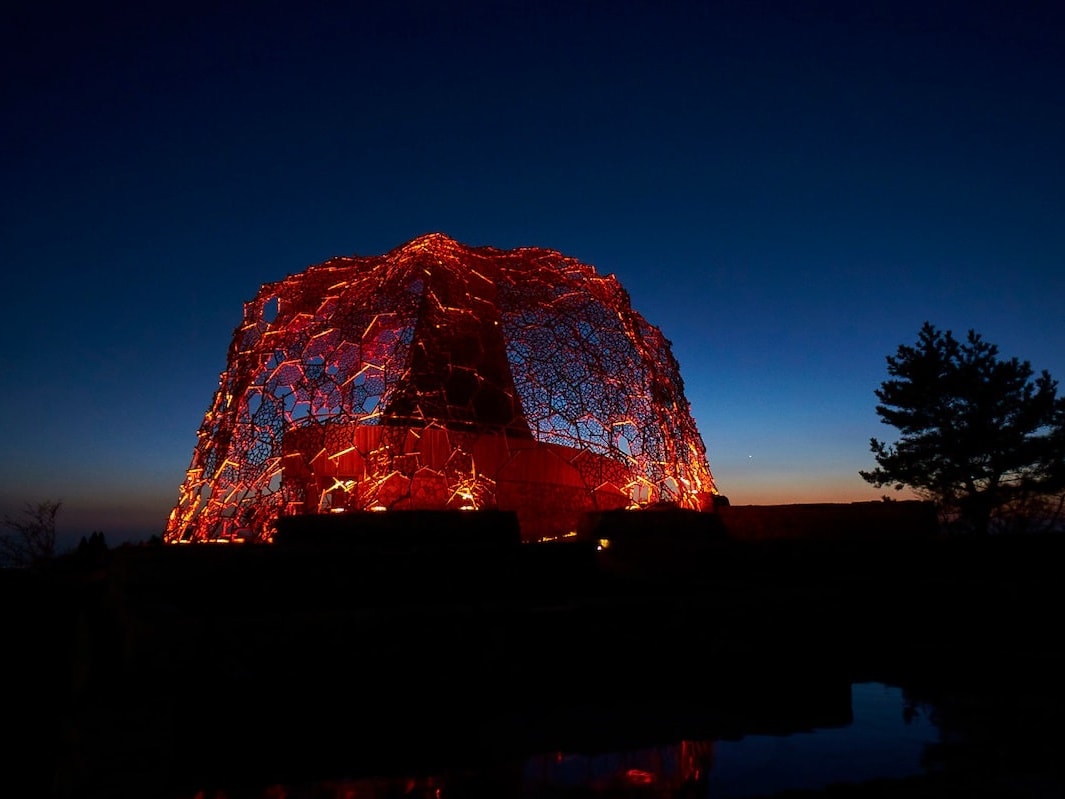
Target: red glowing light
{"x":442,"y":376}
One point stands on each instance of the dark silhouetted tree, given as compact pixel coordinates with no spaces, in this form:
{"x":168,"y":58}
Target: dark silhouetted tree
{"x":32,"y":535}
{"x":979,"y":435}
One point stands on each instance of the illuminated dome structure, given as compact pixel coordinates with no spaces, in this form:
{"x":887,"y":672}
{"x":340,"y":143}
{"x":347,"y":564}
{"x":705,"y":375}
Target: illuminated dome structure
{"x":440,"y":376}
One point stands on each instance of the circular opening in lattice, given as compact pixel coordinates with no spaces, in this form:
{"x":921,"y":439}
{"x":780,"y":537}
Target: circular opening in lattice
{"x":441,"y":376}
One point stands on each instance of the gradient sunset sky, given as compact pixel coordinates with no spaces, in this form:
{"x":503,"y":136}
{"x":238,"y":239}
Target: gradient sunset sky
{"x":787,"y":189}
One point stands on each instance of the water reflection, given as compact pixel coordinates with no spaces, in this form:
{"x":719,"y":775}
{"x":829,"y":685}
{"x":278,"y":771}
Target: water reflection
{"x":676,"y":770}
{"x":886,"y":739}
{"x":883,"y":738}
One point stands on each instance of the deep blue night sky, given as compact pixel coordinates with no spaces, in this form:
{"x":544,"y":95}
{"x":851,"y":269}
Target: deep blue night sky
{"x":787,"y":189}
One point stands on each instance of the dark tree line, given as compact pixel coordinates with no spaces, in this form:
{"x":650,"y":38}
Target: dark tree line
{"x":982,"y":436}
{"x":31,"y":536}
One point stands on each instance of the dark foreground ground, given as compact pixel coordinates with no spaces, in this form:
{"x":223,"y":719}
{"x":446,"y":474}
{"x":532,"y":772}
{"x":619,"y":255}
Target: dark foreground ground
{"x":163,"y":671}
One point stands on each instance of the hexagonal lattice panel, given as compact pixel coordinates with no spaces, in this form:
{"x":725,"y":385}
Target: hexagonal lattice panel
{"x":442,"y":376}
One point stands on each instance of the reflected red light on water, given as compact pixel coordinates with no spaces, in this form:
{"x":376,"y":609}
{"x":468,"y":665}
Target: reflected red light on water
{"x":639,"y":776}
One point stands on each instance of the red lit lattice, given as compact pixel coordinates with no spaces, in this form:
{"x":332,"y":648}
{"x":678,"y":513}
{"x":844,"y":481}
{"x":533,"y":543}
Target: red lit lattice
{"x":442,"y":376}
